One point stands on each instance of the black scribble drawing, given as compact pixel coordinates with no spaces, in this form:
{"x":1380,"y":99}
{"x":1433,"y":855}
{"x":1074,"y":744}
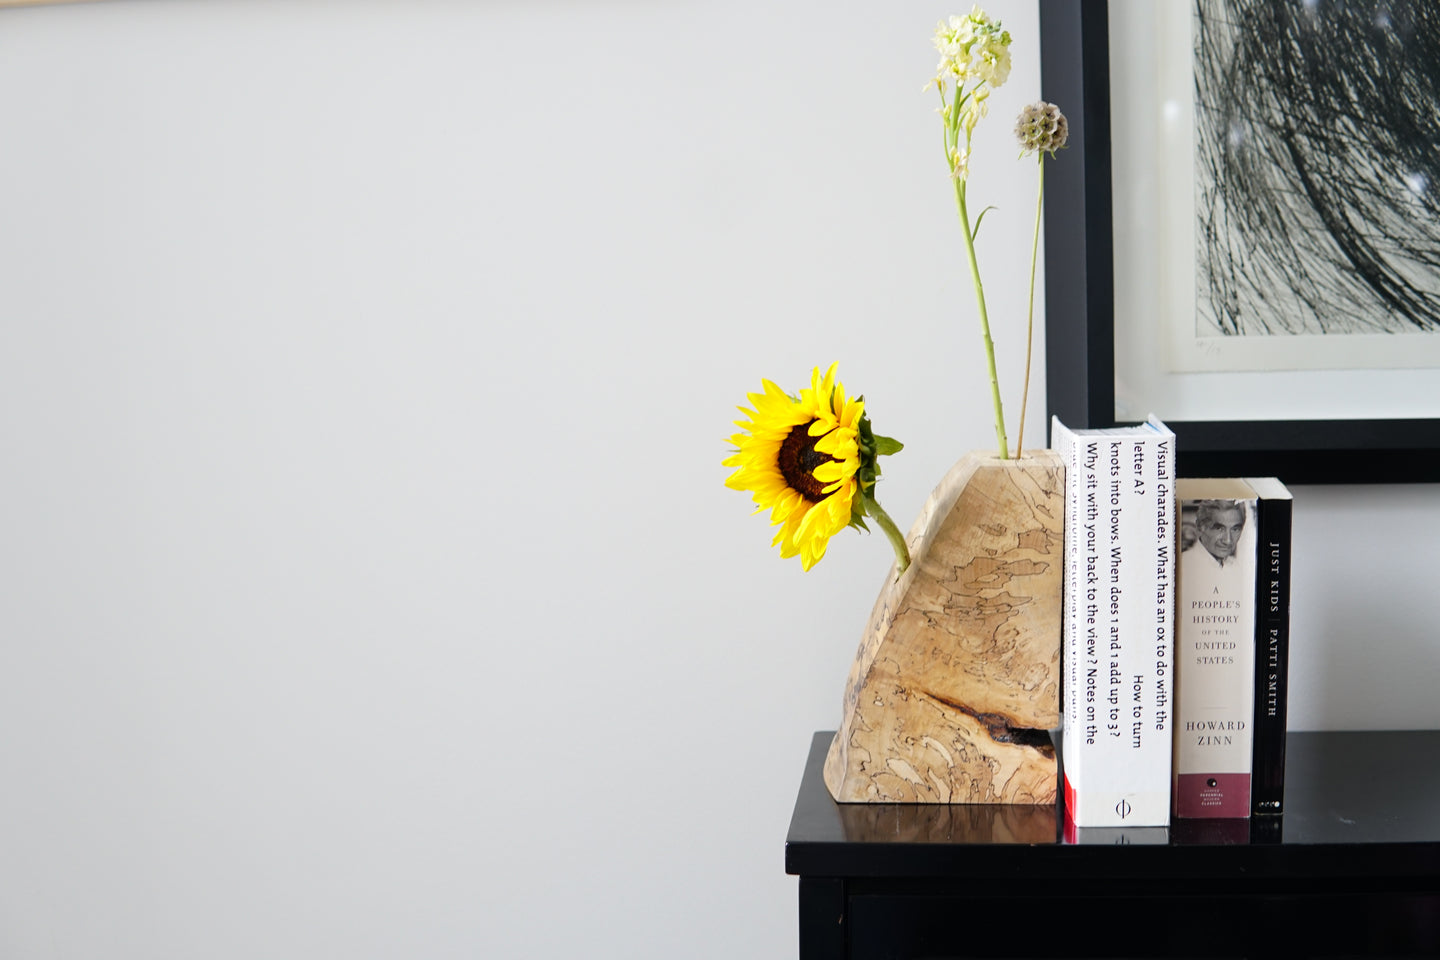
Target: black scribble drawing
{"x":1317,"y":167}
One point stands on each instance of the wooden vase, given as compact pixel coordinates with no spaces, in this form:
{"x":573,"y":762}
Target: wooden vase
{"x":956,"y":685}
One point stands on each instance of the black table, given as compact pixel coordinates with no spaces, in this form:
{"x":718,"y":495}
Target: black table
{"x":1352,"y":868}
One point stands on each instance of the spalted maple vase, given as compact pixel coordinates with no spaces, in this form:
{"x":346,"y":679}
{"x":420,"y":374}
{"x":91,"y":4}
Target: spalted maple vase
{"x":957,"y":681}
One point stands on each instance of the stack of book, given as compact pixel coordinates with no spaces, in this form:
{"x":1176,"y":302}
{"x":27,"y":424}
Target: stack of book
{"x":1232,"y":631}
{"x":1176,"y":635}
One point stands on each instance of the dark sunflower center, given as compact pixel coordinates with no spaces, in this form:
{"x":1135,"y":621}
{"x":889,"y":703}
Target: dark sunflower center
{"x":798,"y":460}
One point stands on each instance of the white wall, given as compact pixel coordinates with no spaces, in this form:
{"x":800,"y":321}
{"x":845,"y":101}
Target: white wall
{"x":367,"y":583}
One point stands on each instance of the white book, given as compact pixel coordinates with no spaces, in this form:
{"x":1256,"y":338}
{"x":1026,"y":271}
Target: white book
{"x":1215,"y":633}
{"x":1118,"y":645}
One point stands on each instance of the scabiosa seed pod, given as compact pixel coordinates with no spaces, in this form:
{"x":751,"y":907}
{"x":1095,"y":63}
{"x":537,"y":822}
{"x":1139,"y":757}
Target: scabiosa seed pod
{"x":1041,"y":126}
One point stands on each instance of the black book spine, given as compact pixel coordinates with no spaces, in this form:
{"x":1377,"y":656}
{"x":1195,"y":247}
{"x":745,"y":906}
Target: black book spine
{"x":1272,"y":656}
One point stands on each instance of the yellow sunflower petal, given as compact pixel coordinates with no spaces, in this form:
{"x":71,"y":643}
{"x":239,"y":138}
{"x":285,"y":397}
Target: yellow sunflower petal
{"x":839,"y":443}
{"x":823,"y":385}
{"x":829,"y":473}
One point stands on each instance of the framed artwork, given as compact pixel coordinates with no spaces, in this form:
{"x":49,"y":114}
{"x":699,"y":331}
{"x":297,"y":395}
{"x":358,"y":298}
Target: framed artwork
{"x":1243,"y":236}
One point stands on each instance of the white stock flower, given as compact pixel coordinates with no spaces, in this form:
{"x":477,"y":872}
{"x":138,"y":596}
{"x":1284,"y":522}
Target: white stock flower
{"x":960,"y":163}
{"x":972,"y":47}
{"x":976,"y":109}
{"x":993,"y":63}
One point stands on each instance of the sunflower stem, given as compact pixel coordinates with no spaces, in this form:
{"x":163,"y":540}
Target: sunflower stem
{"x":892,"y":532}
{"x":1030,"y":310}
{"x":984,"y":319}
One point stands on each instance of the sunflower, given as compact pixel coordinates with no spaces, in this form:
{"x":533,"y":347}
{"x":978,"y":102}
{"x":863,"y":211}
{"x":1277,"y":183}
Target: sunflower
{"x":810,"y":461}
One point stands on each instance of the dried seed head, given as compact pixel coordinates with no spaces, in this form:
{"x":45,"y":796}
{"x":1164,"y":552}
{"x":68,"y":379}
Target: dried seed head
{"x":1041,"y":126}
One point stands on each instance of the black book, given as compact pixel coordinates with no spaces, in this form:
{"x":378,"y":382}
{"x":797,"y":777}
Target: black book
{"x":1272,"y":644}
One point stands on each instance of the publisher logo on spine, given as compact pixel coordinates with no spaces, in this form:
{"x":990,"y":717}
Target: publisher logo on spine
{"x":1122,"y":809}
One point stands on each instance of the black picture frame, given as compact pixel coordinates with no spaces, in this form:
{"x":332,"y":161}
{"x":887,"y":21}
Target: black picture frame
{"x":1080,"y":299}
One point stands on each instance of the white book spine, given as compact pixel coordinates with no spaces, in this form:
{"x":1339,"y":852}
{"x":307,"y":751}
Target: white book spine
{"x":1119,"y":646}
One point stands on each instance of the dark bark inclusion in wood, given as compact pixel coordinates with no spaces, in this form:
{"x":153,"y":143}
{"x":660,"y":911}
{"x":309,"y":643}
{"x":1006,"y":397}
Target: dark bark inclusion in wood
{"x":997,"y":725}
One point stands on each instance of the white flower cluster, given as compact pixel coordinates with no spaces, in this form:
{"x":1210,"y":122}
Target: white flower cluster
{"x":973,"y":47}
{"x":974,"y":54}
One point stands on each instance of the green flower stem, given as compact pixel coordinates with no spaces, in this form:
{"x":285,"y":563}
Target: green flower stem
{"x":892,"y":532}
{"x":984,"y":319}
{"x":1030,"y":310}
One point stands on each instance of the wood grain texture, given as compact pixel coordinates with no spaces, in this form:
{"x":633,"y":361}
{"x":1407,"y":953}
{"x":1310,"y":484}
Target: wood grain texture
{"x":957,"y":680}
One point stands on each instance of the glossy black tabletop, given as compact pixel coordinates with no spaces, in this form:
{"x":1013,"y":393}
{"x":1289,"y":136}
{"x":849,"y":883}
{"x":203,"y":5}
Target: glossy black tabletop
{"x":1358,"y":804}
